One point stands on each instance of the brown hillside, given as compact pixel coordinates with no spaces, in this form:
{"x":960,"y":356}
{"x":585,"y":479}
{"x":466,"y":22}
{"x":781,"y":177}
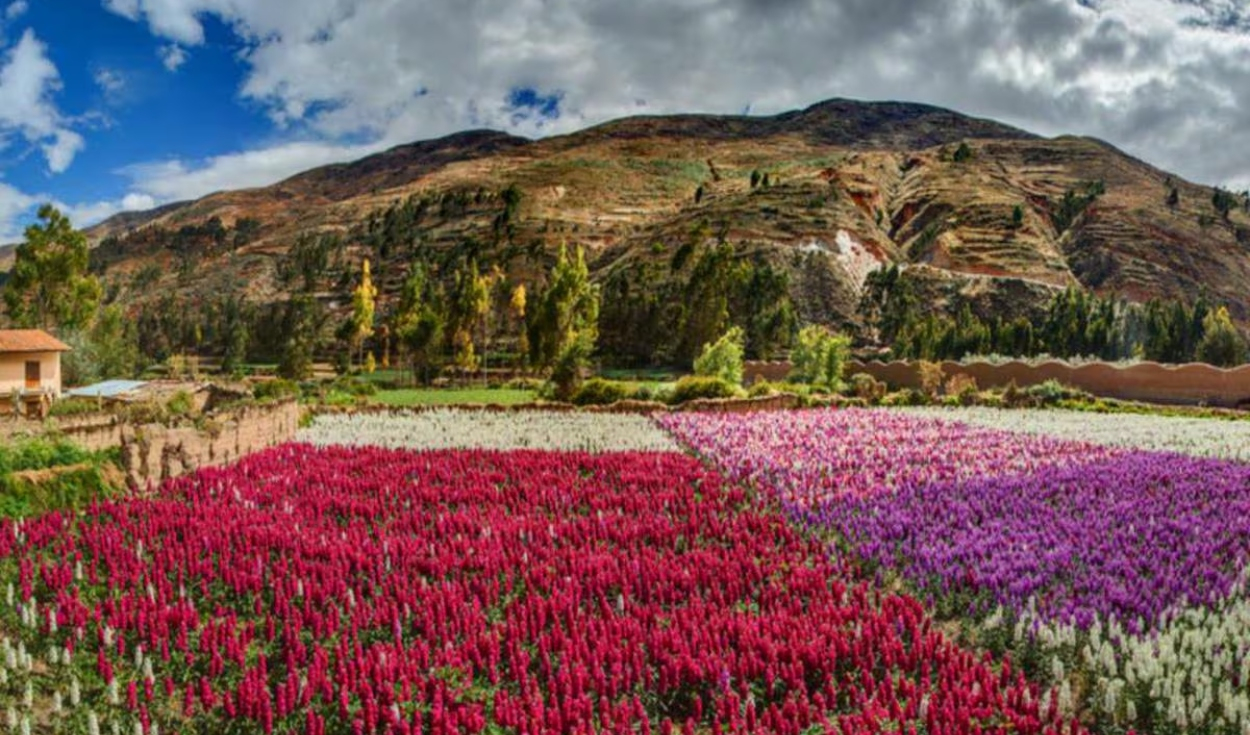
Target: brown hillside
{"x":852,"y":185}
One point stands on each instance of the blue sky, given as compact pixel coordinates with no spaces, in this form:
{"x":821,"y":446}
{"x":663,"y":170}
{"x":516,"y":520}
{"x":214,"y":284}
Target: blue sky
{"x":108,"y":105}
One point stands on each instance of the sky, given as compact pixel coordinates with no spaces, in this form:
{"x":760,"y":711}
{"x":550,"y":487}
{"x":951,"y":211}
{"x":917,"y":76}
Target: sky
{"x":113,"y":105}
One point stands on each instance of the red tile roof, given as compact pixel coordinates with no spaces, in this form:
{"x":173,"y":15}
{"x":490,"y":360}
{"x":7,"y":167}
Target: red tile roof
{"x":30,"y":340}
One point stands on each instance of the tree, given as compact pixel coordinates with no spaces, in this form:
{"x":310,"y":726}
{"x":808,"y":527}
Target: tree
{"x":516,"y":313}
{"x":469,"y":303}
{"x":1221,"y":343}
{"x":1174,"y":198}
{"x":236,"y":334}
{"x":962,"y":153}
{"x":109,"y":350}
{"x":1223,"y":201}
{"x":419,"y":322}
{"x":564,"y":325}
{"x":302,"y":321}
{"x":819,"y":356}
{"x":722,"y":358}
{"x":364,"y":304}
{"x":1017,"y":217}
{"x":755,"y":178}
{"x":50,"y":286}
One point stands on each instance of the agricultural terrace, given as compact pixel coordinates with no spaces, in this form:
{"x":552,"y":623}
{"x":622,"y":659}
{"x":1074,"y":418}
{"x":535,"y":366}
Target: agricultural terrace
{"x":456,"y":572}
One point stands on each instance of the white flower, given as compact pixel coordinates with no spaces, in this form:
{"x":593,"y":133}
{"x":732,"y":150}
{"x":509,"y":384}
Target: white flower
{"x":467,"y":429}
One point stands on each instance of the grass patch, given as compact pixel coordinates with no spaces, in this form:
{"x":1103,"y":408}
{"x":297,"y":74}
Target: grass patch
{"x":38,"y":475}
{"x":451,"y":396}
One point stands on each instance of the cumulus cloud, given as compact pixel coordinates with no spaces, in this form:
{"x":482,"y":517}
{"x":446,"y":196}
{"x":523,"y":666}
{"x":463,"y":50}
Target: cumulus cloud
{"x":15,"y":10}
{"x":110,"y":81}
{"x":28,"y":81}
{"x":172,"y":56}
{"x":1162,"y":78}
{"x":173,"y":180}
{"x":14,"y":203}
{"x":86,"y":215}
{"x":60,"y":152}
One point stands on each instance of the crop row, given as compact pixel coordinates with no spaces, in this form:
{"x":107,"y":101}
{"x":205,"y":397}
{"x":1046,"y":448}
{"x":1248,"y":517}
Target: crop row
{"x":467,"y":429}
{"x":1202,"y":437}
{"x":364,"y":590}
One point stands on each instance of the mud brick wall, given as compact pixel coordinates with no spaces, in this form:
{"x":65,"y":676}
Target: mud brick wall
{"x":153,"y":453}
{"x":1191,"y":384}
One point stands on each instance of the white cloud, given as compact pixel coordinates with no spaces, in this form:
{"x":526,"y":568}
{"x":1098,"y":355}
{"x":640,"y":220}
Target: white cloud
{"x":172,"y":56}
{"x":86,"y":215}
{"x":15,"y":10}
{"x":1159,"y":77}
{"x":28,"y":80}
{"x":61,"y":150}
{"x":14,"y":204}
{"x":174,"y":180}
{"x":110,"y":81}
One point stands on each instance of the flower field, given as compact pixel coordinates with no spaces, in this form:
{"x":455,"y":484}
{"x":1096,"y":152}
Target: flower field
{"x":465,"y":429}
{"x":1197,"y":436}
{"x":1116,"y":575}
{"x":366,"y":590}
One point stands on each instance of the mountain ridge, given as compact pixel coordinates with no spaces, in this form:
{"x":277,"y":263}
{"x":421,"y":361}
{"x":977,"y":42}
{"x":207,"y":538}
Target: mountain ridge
{"x":975,"y":211}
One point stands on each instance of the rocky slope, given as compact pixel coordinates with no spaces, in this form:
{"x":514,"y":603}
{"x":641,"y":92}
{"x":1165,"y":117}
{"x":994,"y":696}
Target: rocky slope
{"x":969,"y":207}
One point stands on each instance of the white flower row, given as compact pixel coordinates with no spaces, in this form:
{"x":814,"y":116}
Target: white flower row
{"x":460,"y":429}
{"x":1199,"y":437}
{"x":1190,"y":674}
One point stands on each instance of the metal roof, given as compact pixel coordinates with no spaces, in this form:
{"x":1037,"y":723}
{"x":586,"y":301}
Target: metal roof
{"x":107,"y":389}
{"x":30,"y":340}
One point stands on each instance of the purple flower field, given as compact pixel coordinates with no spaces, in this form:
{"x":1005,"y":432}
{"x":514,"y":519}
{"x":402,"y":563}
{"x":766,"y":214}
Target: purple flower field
{"x":1003,"y":518}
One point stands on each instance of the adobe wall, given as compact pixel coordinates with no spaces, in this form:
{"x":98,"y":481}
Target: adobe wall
{"x":153,"y":453}
{"x":1151,"y":382}
{"x":774,"y":371}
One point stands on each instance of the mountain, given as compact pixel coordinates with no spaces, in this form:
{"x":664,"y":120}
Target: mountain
{"x":974,"y":212}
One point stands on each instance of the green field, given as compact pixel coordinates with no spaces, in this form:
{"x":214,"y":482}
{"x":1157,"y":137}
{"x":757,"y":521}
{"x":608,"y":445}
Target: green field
{"x":449,"y":396}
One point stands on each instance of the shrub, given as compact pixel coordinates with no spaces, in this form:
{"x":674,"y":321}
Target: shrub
{"x":336,"y":397}
{"x":906,"y":397}
{"x":963,"y":388}
{"x":930,"y":374}
{"x":819,"y":357}
{"x":1052,"y":392}
{"x":533,"y":384}
{"x":278,"y":388}
{"x":83,"y":478}
{"x":600,"y":392}
{"x":1013,"y":397}
{"x":144,"y":412}
{"x":762,"y":389}
{"x":71,"y":486}
{"x":181,"y":404}
{"x":355,"y":387}
{"x":643,"y":392}
{"x":75,"y":407}
{"x":868,"y":388}
{"x":693,"y":387}
{"x":722,"y":358}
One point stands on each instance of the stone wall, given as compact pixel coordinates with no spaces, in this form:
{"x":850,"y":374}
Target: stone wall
{"x":153,"y":453}
{"x":1151,"y":382}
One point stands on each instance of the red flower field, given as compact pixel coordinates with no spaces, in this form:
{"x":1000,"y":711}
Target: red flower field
{"x":373,"y":591}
